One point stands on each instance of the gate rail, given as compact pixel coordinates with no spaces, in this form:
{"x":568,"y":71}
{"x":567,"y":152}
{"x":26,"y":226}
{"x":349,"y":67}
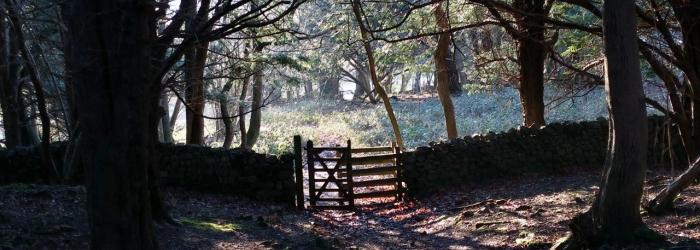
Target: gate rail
{"x":338,"y":172}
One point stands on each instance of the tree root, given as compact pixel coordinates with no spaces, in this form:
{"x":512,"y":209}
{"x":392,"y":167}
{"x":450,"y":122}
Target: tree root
{"x":586,"y":234}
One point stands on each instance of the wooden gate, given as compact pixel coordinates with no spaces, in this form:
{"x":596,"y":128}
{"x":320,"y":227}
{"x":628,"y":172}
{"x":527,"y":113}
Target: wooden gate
{"x":340,"y":177}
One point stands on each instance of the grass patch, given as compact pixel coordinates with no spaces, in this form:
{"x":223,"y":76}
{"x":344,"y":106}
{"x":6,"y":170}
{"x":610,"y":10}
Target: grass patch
{"x":213,"y":226}
{"x":478,"y":110}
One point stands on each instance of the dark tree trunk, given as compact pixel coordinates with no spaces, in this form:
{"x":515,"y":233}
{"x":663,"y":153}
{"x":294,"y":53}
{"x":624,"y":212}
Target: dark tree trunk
{"x":175,"y":114}
{"x":442,"y":72}
{"x":225,"y":114}
{"x":308,"y":90}
{"x":459,"y":63}
{"x":614,"y":218}
{"x":416,"y":83}
{"x":195,"y":59}
{"x":228,"y":125}
{"x":404,"y":82}
{"x":9,"y":85}
{"x":455,"y":86}
{"x":165,"y":120}
{"x":531,"y":57}
{"x":256,"y":112}
{"x":117,"y":104}
{"x":159,"y":211}
{"x":241,"y":111}
{"x":363,"y":86}
{"x":30,"y":136}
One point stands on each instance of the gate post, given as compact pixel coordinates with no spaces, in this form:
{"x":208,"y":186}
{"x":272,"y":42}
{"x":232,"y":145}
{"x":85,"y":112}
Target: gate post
{"x":298,"y":173}
{"x":399,"y":172}
{"x":351,"y":185}
{"x":312,"y":172}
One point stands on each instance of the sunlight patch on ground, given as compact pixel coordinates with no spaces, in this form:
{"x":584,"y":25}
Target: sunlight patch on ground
{"x":211,"y":226}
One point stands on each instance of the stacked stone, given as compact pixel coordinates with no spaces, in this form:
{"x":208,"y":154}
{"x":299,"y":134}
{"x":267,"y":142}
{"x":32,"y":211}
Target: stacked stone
{"x":555,"y":148}
{"x":23,"y":164}
{"x":235,"y":171}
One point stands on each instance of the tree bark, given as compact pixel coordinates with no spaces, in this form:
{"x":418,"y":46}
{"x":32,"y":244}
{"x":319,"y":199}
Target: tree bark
{"x":308,"y":90}
{"x":531,"y":58}
{"x":257,"y":102}
{"x":241,"y":112}
{"x":373,"y":73}
{"x":416,"y":83}
{"x":165,"y":120}
{"x":363,"y":84}
{"x":459,"y":64}
{"x":225,"y":113}
{"x":9,"y":85}
{"x":614,"y":217}
{"x":455,"y":86}
{"x":404,"y":82}
{"x":195,"y":59}
{"x":112,"y":76}
{"x":442,"y":71}
{"x":175,"y":114}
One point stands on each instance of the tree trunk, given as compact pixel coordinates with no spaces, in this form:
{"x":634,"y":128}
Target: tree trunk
{"x":363,"y":84}
{"x":195,"y":59}
{"x":404,"y":82}
{"x":531,"y":57}
{"x":308,"y":90}
{"x":111,"y":72}
{"x":9,"y":85}
{"x":373,"y":72}
{"x":416,"y":83}
{"x":614,"y":218}
{"x":225,"y":113}
{"x":165,"y":120}
{"x":389,"y":84}
{"x":455,"y":86}
{"x":30,"y":136}
{"x":459,"y":63}
{"x":241,"y":112}
{"x":256,"y":112}
{"x":430,"y":81}
{"x":175,"y":114}
{"x":442,"y":70}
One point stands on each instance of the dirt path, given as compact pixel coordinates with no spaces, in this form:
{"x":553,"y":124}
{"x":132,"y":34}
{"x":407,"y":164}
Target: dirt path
{"x":515,"y":214}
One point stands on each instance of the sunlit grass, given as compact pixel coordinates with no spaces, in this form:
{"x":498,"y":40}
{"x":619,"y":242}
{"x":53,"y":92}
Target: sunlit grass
{"x":478,"y":110}
{"x":329,"y":122}
{"x":210,"y":226}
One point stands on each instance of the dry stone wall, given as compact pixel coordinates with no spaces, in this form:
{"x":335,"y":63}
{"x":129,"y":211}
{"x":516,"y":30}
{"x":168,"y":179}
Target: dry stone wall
{"x":236,"y":171}
{"x":555,"y":148}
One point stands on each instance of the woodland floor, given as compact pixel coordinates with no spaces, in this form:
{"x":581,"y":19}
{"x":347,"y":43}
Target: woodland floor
{"x":530,"y":212}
